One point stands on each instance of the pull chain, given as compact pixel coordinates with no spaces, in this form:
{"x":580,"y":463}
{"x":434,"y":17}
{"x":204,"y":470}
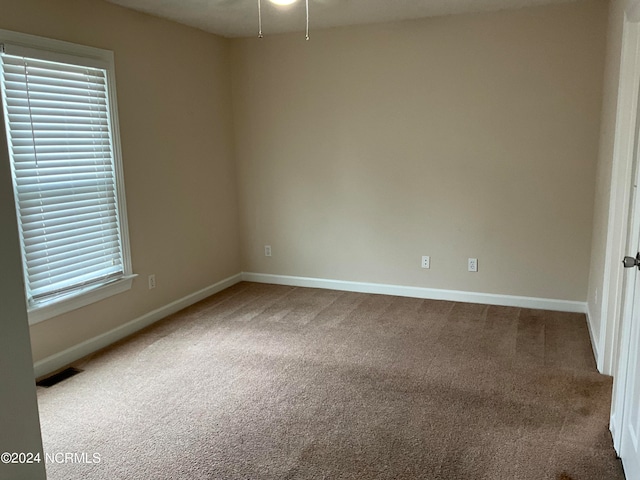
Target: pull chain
{"x":260,"y":19}
{"x":307,"y":35}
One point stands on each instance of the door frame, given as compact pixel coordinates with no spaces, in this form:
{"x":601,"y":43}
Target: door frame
{"x":614,"y":309}
{"x":619,"y":206}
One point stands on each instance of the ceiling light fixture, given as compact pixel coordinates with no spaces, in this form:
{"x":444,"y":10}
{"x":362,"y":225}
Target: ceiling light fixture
{"x":281,"y":3}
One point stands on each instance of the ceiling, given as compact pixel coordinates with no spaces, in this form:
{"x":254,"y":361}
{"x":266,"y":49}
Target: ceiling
{"x":239,"y":18}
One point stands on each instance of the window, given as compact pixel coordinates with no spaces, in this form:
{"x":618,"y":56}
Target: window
{"x":61,"y":126}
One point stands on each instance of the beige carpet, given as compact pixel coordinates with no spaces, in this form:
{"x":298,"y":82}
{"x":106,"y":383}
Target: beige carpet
{"x":272,"y":382}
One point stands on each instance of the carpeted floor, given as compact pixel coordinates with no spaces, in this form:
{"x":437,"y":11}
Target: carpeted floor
{"x":273,"y":382}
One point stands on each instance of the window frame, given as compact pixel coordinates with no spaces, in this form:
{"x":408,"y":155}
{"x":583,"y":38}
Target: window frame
{"x":57,"y":50}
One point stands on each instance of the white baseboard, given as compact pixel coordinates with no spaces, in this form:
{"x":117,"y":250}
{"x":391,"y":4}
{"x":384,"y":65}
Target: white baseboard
{"x":420,"y":292}
{"x":594,"y":343}
{"x":61,"y":359}
{"x":613,"y":428}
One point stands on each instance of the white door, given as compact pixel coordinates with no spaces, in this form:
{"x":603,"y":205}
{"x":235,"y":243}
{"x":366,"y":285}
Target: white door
{"x":626,"y":395}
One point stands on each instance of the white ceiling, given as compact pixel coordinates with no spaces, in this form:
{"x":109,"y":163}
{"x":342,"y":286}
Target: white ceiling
{"x":239,"y":18}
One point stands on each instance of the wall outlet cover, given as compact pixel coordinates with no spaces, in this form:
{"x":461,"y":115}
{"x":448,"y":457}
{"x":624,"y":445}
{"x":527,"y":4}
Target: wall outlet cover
{"x":473,"y":265}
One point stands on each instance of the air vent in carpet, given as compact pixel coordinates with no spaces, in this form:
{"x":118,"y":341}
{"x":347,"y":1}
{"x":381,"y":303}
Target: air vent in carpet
{"x":58,"y":377}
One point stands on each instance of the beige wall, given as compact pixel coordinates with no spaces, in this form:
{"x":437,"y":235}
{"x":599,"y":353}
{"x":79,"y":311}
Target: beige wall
{"x":455,"y":137}
{"x":175,"y":122}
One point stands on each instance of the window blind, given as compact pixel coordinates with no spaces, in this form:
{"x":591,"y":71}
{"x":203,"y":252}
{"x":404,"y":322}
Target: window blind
{"x":61,"y":151}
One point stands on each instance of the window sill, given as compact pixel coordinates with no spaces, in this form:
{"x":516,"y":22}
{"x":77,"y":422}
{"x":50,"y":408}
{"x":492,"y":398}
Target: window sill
{"x":81,"y":299}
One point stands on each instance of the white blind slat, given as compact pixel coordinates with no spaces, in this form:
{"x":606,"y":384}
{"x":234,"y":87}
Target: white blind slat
{"x":45,"y":290}
{"x":53,"y":269}
{"x":57,"y":196}
{"x":80,"y":235}
{"x":64,"y":254}
{"x":64,"y":233}
{"x":71,"y":205}
{"x":50,"y":221}
{"x":62,"y":198}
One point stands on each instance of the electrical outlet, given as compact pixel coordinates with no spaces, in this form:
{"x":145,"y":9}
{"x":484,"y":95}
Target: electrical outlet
{"x":152,"y":282}
{"x":473,"y":265}
{"x":426,"y":261}
{"x":267,"y":250}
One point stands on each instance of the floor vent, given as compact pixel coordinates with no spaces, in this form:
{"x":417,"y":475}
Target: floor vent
{"x":58,"y":377}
